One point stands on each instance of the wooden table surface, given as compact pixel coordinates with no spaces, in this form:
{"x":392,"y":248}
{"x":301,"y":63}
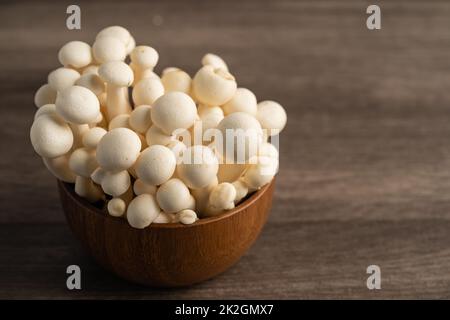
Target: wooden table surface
{"x":365,"y":156}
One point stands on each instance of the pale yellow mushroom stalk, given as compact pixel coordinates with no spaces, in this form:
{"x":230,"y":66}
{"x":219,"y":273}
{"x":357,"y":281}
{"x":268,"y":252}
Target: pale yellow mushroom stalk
{"x":118,"y":77}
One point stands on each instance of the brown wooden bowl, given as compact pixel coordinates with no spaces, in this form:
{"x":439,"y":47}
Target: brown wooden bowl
{"x":167,"y":255}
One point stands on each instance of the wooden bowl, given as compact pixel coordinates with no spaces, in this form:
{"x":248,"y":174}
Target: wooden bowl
{"x":167,"y":255}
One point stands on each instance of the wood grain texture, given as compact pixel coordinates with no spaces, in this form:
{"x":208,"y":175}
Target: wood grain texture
{"x":364,"y":158}
{"x":167,"y":255}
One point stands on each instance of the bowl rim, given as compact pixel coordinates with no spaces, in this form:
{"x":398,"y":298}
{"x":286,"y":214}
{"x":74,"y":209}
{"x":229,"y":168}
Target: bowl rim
{"x":242,"y":206}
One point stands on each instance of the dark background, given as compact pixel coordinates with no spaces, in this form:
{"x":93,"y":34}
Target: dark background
{"x":365,"y":156}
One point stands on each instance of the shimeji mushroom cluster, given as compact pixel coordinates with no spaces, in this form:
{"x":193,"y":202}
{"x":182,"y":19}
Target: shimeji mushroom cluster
{"x":124,"y":153}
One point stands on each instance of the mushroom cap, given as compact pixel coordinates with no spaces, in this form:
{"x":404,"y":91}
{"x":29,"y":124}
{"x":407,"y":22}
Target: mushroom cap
{"x":86,"y":189}
{"x":174,"y":110}
{"x":213,"y":86}
{"x":118,"y":32}
{"x":116,"y":183}
{"x":131,"y":44}
{"x":120,"y":121}
{"x":243,"y":101}
{"x":173,"y":196}
{"x":204,"y":110}
{"x":147,"y":91}
{"x":77,"y":105}
{"x":260,"y":173}
{"x":156,"y":165}
{"x":117,"y":207}
{"x":92,"y":137}
{"x":50,"y":136}
{"x":145,"y":57}
{"x":98,"y":175}
{"x":176,"y":80}
{"x":155,"y":135}
{"x":214,"y":60}
{"x":165,"y":217}
{"x":108,"y":48}
{"x":116,"y":73}
{"x":140,"y":187}
{"x":118,"y":149}
{"x":198,"y":167}
{"x":45,"y":109}
{"x":44,"y":95}
{"x":75,"y":54}
{"x":62,"y":78}
{"x":272,"y":116}
{"x":241,"y":190}
{"x":82,"y":161}
{"x":142,"y":211}
{"x":269,"y":150}
{"x":186,"y":216}
{"x":222,"y":197}
{"x":141,"y":118}
{"x":59,"y":167}
{"x":93,"y":82}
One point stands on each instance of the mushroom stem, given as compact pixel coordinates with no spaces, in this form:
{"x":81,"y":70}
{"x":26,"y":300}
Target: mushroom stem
{"x":117,"y":101}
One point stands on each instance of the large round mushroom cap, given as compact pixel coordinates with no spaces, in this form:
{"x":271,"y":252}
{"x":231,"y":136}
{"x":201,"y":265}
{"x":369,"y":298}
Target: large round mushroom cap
{"x":50,"y":136}
{"x":144,"y":56}
{"x":198,"y":167}
{"x":78,"y":105}
{"x":174,"y":110}
{"x":142,"y":211}
{"x":118,"y":32}
{"x":147,"y":91}
{"x":213,"y":86}
{"x":108,"y":48}
{"x":62,"y":78}
{"x":117,"y":73}
{"x":156,"y":165}
{"x":272,"y":116}
{"x":118,"y":149}
{"x":75,"y":54}
{"x":173,"y":196}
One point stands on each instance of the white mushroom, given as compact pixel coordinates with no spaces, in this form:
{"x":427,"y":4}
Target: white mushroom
{"x":155,"y":136}
{"x":213,"y":86}
{"x":62,"y":78}
{"x":78,"y":131}
{"x":198,"y":167}
{"x":44,"y":95}
{"x":173,"y":196}
{"x":140,"y":187}
{"x":50,"y":136}
{"x":118,"y":32}
{"x":118,"y":76}
{"x":59,"y":167}
{"x":141,"y":119}
{"x":120,"y":121}
{"x":243,"y":101}
{"x":155,"y":165}
{"x":98,"y":175}
{"x":75,"y":54}
{"x":272,"y":117}
{"x":268,"y":150}
{"x":241,"y":190}
{"x":214,"y":61}
{"x":176,"y":80}
{"x":86,"y":189}
{"x":116,"y":207}
{"x":147,"y":91}
{"x":118,"y":149}
{"x":92,"y":137}
{"x":77,"y":105}
{"x":45,"y":109}
{"x":241,"y":134}
{"x":165,"y":217}
{"x":221,"y":198}
{"x":202,"y":196}
{"x":174,"y":110}
{"x":116,"y":183}
{"x":205,"y":110}
{"x":106,"y":49}
{"x":144,"y":58}
{"x":142,"y":211}
{"x":83,"y":162}
{"x":261,"y":172}
{"x":92,"y":82}
{"x":186,"y":216}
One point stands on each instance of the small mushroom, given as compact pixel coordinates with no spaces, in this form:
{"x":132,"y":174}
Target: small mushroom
{"x":59,"y":167}
{"x":272,"y":117}
{"x":174,"y":110}
{"x":75,"y":54}
{"x":165,"y":217}
{"x":62,"y":78}
{"x":147,"y":91}
{"x":92,"y":82}
{"x":155,"y":165}
{"x":83,"y":162}
{"x":120,"y":121}
{"x":202,"y":196}
{"x":155,"y":136}
{"x":118,"y":76}
{"x":221,"y":198}
{"x":186,"y":216}
{"x":176,"y":80}
{"x":198,"y":167}
{"x":77,"y":105}
{"x":116,"y":183}
{"x":243,"y":101}
{"x":93,"y":136}
{"x":141,"y":119}
{"x":50,"y":136}
{"x":44,"y":95}
{"x":261,"y":172}
{"x":144,"y":58}
{"x":142,"y":211}
{"x":98,"y":175}
{"x":118,"y":149}
{"x":116,"y":207}
{"x":106,"y":49}
{"x":118,"y":32}
{"x":213,"y":87}
{"x":241,"y":190}
{"x":45,"y":109}
{"x":173,"y":196}
{"x":215,"y":61}
{"x":86,"y":189}
{"x":140,"y":187}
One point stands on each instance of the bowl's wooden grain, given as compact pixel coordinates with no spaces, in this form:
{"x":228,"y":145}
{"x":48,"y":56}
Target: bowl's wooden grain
{"x":167,"y":255}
